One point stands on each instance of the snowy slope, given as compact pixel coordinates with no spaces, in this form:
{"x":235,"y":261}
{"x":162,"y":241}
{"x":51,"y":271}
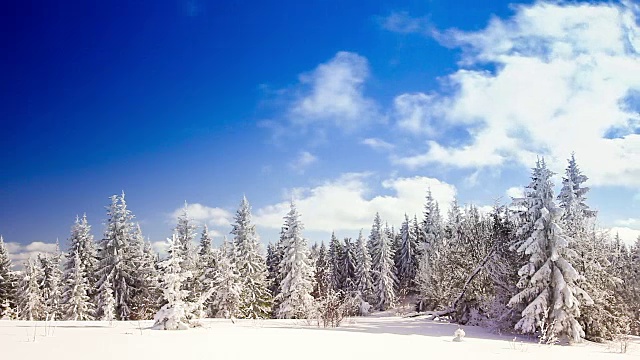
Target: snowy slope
{"x":369,"y":338}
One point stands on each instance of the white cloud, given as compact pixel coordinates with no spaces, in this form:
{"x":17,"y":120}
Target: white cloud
{"x":628,"y":235}
{"x":377,"y":144}
{"x":413,"y":112}
{"x":333,"y":94}
{"x":303,"y":161}
{"x":20,"y":253}
{"x":515,"y":192}
{"x":564,"y":74}
{"x":402,"y":22}
{"x":202,"y":214}
{"x":346,"y":204}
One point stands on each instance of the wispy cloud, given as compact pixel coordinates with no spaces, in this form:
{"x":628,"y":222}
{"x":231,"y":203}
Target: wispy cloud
{"x":402,"y":22}
{"x":377,"y":144}
{"x":203,"y":214}
{"x":303,"y":161}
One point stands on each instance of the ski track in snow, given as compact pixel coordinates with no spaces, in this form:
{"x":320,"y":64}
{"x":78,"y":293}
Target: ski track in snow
{"x":375,"y":337}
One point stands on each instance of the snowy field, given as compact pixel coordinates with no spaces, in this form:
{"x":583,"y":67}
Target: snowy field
{"x":358,"y":338}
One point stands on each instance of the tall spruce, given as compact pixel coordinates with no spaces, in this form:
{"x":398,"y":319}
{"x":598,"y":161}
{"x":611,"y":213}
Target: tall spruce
{"x":549,"y":292}
{"x":256,"y":298}
{"x":383,"y":265}
{"x":115,"y":253}
{"x":294,"y":298}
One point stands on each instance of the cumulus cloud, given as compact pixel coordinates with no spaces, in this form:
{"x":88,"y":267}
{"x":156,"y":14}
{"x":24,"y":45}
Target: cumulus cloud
{"x":346,"y":203}
{"x":303,"y":161}
{"x":412,"y":112}
{"x":333,"y":94}
{"x":19,"y":253}
{"x":202,"y":214}
{"x":552,"y":79}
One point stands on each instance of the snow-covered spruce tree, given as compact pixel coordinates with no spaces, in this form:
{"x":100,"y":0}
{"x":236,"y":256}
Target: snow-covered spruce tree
{"x":146,"y":299}
{"x":348,"y":266}
{"x":206,"y":268}
{"x":407,"y":257}
{"x":8,"y":283}
{"x":335,"y":263}
{"x":548,"y":281}
{"x":382,"y":266}
{"x":322,"y":273}
{"x":107,"y":302}
{"x":115,"y":253}
{"x":81,"y":243}
{"x":76,"y":304}
{"x":430,"y":246}
{"x":364,"y":282}
{"x":294,"y":298}
{"x":273,"y":261}
{"x":227,"y":284}
{"x":31,"y":304}
{"x":185,"y":232}
{"x":255,"y":301}
{"x":51,"y":283}
{"x":173,"y":315}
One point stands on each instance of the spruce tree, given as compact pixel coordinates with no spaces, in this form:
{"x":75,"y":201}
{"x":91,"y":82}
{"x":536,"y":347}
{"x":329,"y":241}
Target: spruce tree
{"x":51,"y":283}
{"x":8,"y":283}
{"x":383,"y":266}
{"x":335,"y":263}
{"x":364,"y":282}
{"x":548,"y":281}
{"x":255,"y":298}
{"x":174,"y":313}
{"x":348,"y":266}
{"x":31,"y":304}
{"x":227,"y":284}
{"x":115,"y":253}
{"x":322,"y":274}
{"x":407,"y":257}
{"x":76,"y":304}
{"x":295,"y":298}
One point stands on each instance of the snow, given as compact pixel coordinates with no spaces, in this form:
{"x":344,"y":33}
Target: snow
{"x":374,"y":337}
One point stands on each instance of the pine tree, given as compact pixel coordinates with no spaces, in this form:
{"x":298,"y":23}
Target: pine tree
{"x":348,"y":266}
{"x":31,"y":304}
{"x":407,"y":265}
{"x":80,"y":262}
{"x":50,"y":283}
{"x":206,"y":268}
{"x":173,"y":315}
{"x":76,"y":304}
{"x":335,"y":263}
{"x":8,"y":283}
{"x":297,"y":276}
{"x":115,"y":254}
{"x":255,"y":299}
{"x":107,"y":302}
{"x":382,"y":266}
{"x":322,"y":273}
{"x":227,"y":284}
{"x":548,"y":281}
{"x":364,"y":282}
{"x":81,"y":243}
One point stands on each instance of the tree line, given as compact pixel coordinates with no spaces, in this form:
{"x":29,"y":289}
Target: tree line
{"x":538,"y":265}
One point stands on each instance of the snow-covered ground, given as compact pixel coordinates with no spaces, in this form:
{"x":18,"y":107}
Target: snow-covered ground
{"x":375,"y":337}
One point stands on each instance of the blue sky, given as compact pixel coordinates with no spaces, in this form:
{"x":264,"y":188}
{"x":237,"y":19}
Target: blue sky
{"x":350,"y":107}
